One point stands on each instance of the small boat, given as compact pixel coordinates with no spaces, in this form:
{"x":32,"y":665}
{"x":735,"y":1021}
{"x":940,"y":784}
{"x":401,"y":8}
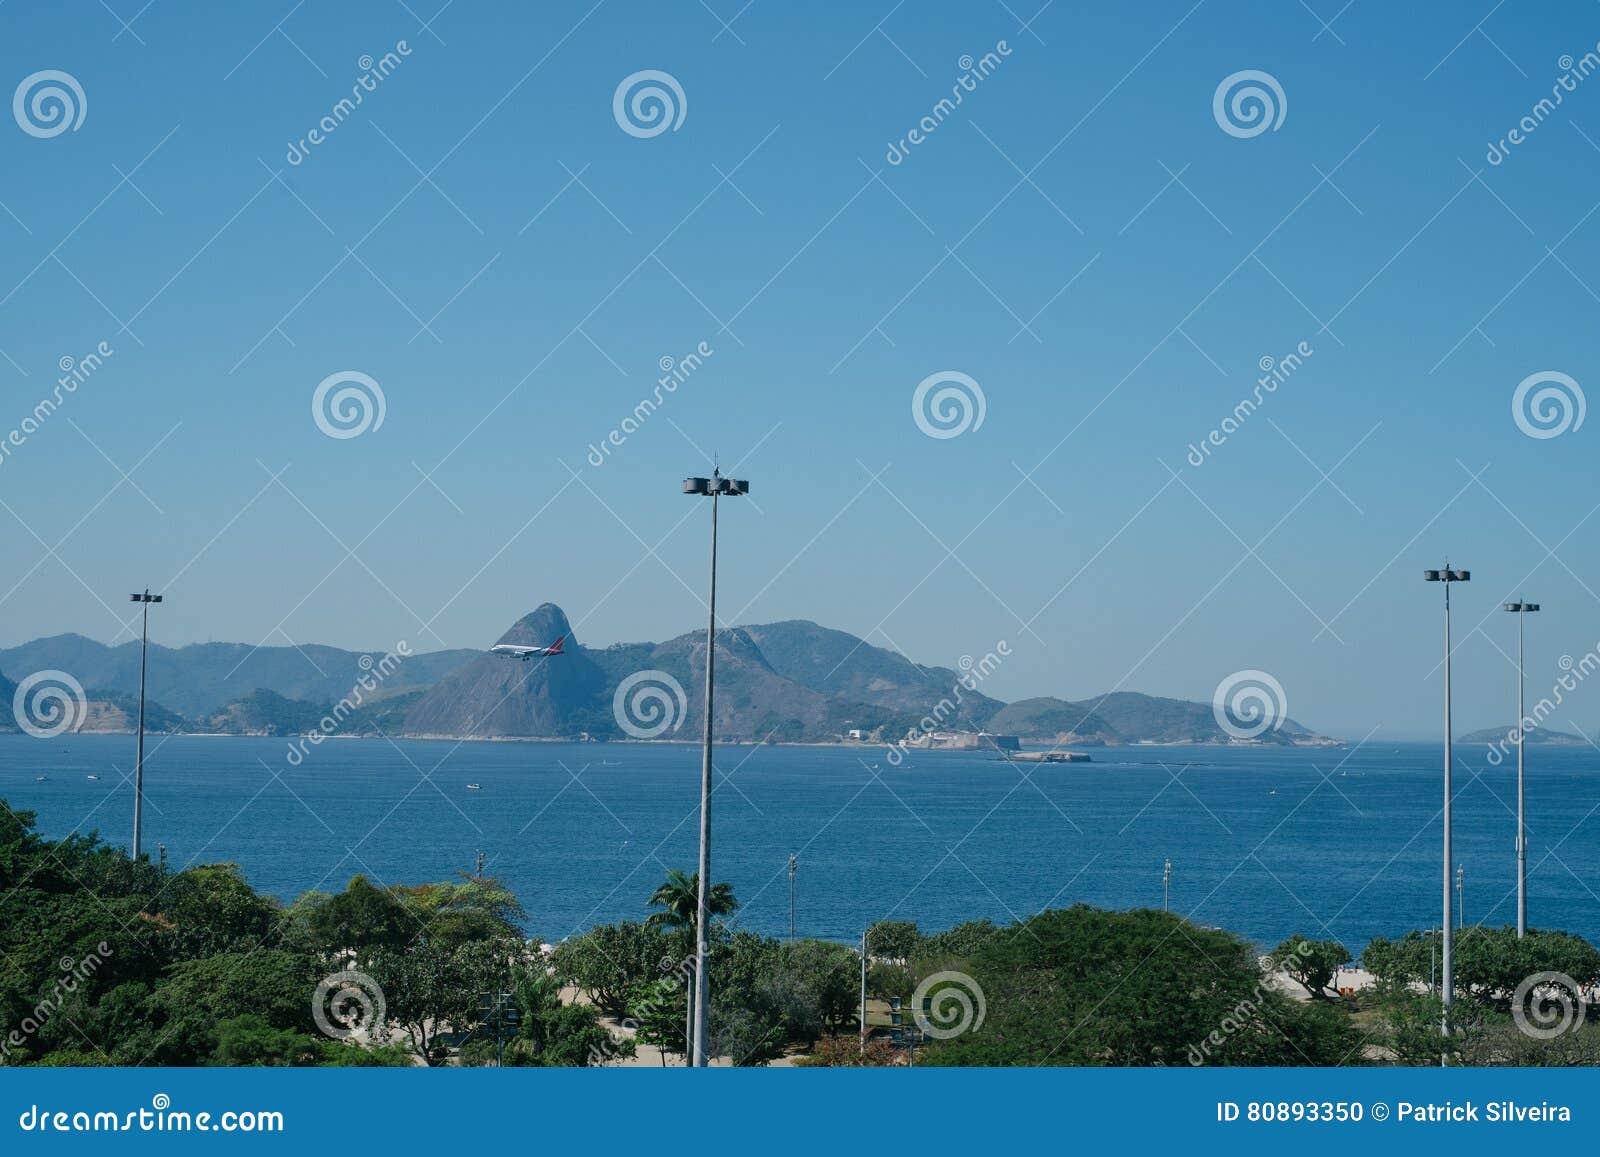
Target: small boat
{"x":474,"y":787}
{"x":94,"y":777}
{"x":1274,"y":791}
{"x":40,"y":778}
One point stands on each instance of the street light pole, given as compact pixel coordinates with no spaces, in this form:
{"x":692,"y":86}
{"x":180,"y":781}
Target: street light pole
{"x":146,"y":598}
{"x":715,"y":486}
{"x":1166,"y":886}
{"x":794,"y":863}
{"x":1447,"y":949}
{"x":1461,"y":896}
{"x":1521,"y":609}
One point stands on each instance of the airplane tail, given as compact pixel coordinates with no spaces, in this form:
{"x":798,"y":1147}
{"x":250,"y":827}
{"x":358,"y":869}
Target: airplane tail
{"x":555,"y":647}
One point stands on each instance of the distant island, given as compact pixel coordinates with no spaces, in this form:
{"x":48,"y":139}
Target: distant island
{"x":1535,"y":735}
{"x":787,"y":682}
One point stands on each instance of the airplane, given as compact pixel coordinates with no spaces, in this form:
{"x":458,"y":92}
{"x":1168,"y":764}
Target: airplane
{"x":516,"y":651}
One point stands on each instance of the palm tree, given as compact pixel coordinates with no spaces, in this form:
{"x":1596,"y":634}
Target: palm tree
{"x":679,"y":900}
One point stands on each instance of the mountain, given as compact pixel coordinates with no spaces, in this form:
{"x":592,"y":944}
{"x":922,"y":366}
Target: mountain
{"x":8,"y":693}
{"x":492,"y":696}
{"x":1126,"y":717}
{"x":203,"y":678}
{"x":1055,"y":719}
{"x":792,"y":681}
{"x":1535,"y":737}
{"x":836,"y":663}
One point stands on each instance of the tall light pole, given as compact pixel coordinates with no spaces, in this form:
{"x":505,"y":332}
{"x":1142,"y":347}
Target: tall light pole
{"x":1166,"y":885}
{"x":1521,"y":609}
{"x":794,"y":863}
{"x":1461,"y":896}
{"x":1447,"y":986}
{"x":715,"y":486}
{"x":146,"y":598}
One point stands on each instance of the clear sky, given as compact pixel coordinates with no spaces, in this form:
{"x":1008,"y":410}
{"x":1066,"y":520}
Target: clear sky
{"x":1080,"y":236}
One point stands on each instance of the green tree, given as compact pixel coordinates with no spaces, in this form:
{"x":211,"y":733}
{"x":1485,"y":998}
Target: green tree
{"x":1083,"y":986}
{"x":893,"y":939}
{"x":609,"y":961}
{"x":1311,"y":963}
{"x":678,"y":899}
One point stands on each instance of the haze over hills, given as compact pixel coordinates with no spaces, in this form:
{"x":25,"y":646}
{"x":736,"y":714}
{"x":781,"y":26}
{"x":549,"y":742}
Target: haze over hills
{"x":204,"y":677}
{"x":792,"y":681}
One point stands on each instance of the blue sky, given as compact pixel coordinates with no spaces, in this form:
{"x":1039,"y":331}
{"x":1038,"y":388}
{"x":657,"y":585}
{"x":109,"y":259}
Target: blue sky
{"x":1080,"y":236}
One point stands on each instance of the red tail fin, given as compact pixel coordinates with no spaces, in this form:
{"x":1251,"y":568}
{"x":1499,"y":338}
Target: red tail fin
{"x":555,"y":647}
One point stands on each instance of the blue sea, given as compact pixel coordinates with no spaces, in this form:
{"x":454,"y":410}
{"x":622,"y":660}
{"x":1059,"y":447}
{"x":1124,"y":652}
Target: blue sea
{"x":1264,"y":842}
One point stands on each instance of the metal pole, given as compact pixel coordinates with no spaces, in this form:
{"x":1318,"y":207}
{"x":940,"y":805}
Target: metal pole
{"x":1461,"y":896}
{"x":1522,"y":833}
{"x":138,"y":762}
{"x":1447,"y":986}
{"x":698,"y":1055}
{"x":1166,"y":886}
{"x":863,"y":993}
{"x":793,"y":863}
